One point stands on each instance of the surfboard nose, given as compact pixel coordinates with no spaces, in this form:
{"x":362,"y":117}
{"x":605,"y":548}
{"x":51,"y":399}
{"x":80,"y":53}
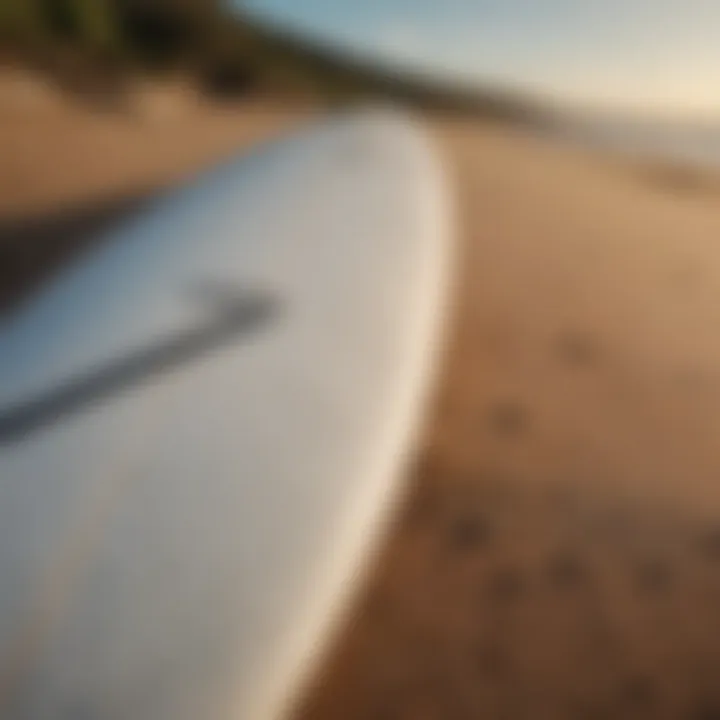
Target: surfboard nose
{"x":203,"y":426}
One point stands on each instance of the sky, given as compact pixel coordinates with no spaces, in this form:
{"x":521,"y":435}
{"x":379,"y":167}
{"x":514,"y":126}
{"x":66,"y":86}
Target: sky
{"x":651,"y":56}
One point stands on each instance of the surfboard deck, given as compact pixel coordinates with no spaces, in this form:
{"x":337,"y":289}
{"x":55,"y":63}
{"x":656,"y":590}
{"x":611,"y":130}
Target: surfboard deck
{"x":203,"y":427}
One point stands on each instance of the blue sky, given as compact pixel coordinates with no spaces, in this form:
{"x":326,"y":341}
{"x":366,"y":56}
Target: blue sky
{"x":647,"y":55}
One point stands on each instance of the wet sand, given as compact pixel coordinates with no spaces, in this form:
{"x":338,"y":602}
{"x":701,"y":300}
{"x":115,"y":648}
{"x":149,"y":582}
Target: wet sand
{"x":559,"y":553}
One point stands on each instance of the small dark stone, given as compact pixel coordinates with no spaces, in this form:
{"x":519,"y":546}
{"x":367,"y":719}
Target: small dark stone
{"x":506,"y":585}
{"x":591,"y":710}
{"x":654,"y":576}
{"x":577,"y":348}
{"x":566,"y":570}
{"x":468,"y":532}
{"x":705,"y":711}
{"x":638,"y":691}
{"x":710,"y":544}
{"x":508,"y":418}
{"x":424,"y":504}
{"x":491,"y":660}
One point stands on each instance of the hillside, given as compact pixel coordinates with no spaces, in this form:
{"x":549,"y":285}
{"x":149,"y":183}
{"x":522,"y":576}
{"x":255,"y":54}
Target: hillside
{"x":97,"y":45}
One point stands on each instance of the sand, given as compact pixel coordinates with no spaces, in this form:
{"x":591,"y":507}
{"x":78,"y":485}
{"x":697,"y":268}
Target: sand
{"x":559,"y":553}
{"x":59,"y":153}
{"x":559,"y":556}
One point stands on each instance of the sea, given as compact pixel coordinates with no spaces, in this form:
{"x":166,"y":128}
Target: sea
{"x":682,"y":142}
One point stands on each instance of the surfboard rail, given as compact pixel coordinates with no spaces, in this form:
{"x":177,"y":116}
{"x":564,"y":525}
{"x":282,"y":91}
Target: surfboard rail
{"x":204,"y":426}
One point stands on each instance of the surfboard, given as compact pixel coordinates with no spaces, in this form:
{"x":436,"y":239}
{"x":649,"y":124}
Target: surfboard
{"x":204,"y":424}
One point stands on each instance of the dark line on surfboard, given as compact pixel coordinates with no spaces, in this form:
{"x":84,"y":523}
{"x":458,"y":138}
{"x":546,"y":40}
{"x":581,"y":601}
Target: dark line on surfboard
{"x":234,"y":315}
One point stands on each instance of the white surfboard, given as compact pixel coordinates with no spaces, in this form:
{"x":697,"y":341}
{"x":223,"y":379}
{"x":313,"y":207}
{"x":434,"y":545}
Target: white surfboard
{"x":203,"y":427}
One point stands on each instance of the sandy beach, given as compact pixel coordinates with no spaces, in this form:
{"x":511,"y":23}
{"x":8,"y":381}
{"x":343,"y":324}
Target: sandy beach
{"x":559,"y":553}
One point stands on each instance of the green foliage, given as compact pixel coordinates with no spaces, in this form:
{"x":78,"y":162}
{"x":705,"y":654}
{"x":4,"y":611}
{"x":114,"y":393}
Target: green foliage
{"x":228,"y":53}
{"x":87,"y":23}
{"x":21,"y":21}
{"x":96,"y":23}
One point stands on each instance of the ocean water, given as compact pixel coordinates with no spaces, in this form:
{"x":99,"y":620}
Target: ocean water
{"x":686,"y":143}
